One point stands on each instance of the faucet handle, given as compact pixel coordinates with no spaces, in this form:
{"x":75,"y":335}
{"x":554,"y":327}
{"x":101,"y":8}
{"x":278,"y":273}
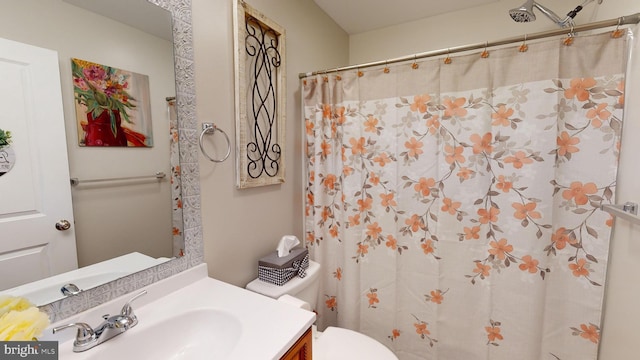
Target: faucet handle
{"x":127,"y":310}
{"x":84,"y":335}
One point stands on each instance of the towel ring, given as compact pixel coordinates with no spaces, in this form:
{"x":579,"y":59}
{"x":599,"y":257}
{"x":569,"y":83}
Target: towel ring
{"x":211,"y":128}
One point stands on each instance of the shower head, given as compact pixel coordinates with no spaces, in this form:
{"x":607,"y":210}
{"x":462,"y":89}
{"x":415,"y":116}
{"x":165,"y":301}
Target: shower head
{"x":525,"y":13}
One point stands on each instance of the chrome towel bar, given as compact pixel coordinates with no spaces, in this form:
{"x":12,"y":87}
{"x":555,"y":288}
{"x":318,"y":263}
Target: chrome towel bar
{"x":628,"y":211}
{"x":159,"y":175}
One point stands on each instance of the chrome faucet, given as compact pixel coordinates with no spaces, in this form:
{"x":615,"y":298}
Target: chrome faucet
{"x":87,"y":338}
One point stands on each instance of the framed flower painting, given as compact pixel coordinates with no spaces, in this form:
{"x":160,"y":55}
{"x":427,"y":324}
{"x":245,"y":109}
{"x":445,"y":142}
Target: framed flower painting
{"x":112,"y":106}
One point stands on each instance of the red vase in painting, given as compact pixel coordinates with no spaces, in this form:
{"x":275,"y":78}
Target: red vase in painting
{"x":98,"y":130}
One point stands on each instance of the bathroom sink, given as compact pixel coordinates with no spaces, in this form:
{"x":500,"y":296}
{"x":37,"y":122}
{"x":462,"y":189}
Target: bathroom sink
{"x":191,"y":335}
{"x":191,"y":316}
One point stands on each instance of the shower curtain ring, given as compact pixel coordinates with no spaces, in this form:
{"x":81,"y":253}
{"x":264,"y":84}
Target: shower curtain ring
{"x":524,"y":47}
{"x":386,"y":67}
{"x":617,"y":33}
{"x":570,"y":37}
{"x":338,"y":77}
{"x":415,"y":64}
{"x":485,"y":53}
{"x":447,"y":60}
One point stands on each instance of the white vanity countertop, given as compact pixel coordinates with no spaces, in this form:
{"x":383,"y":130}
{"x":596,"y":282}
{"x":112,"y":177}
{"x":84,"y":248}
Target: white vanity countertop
{"x":268,"y":327}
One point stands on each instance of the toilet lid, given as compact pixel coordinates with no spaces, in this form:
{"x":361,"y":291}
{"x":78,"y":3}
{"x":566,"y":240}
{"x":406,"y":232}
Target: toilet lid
{"x":337,"y":344}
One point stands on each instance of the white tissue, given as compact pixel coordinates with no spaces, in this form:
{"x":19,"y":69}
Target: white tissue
{"x":287,"y":243}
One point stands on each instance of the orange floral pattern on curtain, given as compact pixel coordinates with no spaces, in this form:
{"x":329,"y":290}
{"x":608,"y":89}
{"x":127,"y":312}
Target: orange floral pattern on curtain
{"x":465,"y":224}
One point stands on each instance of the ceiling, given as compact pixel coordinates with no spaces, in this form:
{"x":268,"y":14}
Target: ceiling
{"x":356,"y":16}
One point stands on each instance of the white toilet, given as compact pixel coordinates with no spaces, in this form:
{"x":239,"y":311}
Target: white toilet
{"x":333,"y":343}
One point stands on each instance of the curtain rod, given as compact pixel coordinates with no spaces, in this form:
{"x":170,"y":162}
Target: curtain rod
{"x":623,"y":20}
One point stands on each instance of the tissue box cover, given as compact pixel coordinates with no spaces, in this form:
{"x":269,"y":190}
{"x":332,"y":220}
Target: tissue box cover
{"x":278,"y":270}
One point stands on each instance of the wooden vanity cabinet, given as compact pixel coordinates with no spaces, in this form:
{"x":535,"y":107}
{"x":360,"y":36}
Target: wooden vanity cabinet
{"x":301,"y":350}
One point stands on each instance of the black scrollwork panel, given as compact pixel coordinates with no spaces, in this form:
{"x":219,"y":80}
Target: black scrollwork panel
{"x":263,"y":150}
{"x":260,"y":97}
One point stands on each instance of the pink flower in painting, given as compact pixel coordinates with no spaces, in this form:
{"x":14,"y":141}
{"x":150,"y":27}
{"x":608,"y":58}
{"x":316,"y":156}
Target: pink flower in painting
{"x":80,"y":83}
{"x":94,"y":73}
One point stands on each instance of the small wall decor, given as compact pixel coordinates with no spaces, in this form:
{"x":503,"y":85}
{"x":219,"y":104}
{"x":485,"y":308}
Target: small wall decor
{"x":112,"y":106}
{"x":260,"y":98}
{"x":7,"y":155}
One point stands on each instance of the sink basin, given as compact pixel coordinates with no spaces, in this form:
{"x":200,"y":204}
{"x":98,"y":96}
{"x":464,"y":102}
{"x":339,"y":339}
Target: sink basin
{"x":193,"y":335}
{"x":191,"y":316}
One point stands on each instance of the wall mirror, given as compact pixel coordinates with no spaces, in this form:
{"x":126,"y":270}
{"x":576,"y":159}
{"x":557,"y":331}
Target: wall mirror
{"x":117,"y":219}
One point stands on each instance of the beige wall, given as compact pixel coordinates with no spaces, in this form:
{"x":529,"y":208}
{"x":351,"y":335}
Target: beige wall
{"x":491,"y":22}
{"x":240,"y":226}
{"x":112,"y":220}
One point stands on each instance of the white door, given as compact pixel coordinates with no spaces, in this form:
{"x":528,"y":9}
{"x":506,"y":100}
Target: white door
{"x":35,"y":194}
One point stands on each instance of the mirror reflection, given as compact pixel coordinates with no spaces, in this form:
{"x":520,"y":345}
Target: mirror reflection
{"x":124,"y":218}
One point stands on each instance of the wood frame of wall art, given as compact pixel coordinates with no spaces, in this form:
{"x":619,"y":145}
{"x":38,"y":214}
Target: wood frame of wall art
{"x":259,"y":47}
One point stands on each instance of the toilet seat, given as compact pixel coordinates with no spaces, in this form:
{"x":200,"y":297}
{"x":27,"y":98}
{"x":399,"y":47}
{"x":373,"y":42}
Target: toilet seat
{"x":338,"y":344}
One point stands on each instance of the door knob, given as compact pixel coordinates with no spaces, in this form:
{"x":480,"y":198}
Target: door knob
{"x":63,"y":225}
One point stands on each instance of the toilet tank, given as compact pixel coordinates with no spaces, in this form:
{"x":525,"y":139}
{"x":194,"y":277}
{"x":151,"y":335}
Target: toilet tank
{"x":305,"y":289}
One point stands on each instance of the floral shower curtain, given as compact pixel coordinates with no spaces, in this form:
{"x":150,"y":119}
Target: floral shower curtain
{"x":454,"y":205}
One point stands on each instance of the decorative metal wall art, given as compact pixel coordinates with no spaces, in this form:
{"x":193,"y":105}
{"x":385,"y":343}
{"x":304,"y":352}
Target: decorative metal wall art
{"x":260,"y":98}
